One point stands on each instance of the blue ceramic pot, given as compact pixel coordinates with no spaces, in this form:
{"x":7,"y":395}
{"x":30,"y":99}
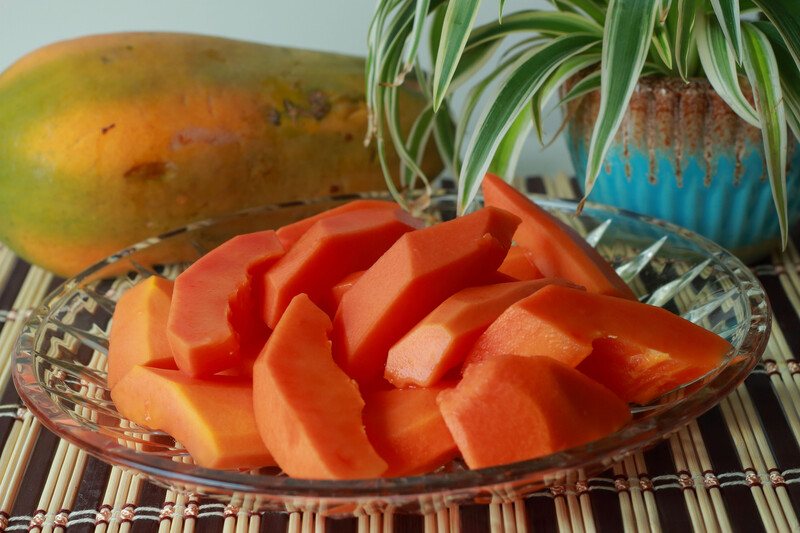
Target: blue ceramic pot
{"x":682,"y":155}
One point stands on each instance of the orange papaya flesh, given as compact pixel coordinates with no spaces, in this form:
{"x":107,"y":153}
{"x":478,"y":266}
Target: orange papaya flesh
{"x":408,"y":431}
{"x":334,"y":297}
{"x":443,"y":339}
{"x":563,"y":323}
{"x":139,"y":329}
{"x":189,"y":409}
{"x":308,"y":411}
{"x":212,"y":304}
{"x":332,"y":248}
{"x":512,"y":408}
{"x":291,"y":233}
{"x":415,"y":275}
{"x":556,"y":249}
{"x":634,"y":373}
{"x":519,"y":265}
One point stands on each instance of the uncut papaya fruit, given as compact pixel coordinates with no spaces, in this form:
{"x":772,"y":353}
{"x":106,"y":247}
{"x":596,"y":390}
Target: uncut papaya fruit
{"x":106,"y":140}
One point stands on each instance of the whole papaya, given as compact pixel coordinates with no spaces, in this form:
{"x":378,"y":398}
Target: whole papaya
{"x":106,"y":140}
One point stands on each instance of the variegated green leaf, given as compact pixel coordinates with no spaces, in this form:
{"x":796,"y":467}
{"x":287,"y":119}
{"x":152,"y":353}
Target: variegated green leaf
{"x":719,"y":64}
{"x":552,"y":23}
{"x":420,"y":15}
{"x":569,"y":68}
{"x":508,"y":151}
{"x":666,"y":5}
{"x":727,"y":12}
{"x":762,"y":71}
{"x":591,"y":8}
{"x":684,"y":35}
{"x":502,"y":5}
{"x":790,"y":75}
{"x":785,"y":14}
{"x":458,"y":21}
{"x":661,"y":45}
{"x":444,"y":132}
{"x":416,"y":143}
{"x":626,"y":39}
{"x":591,"y":83}
{"x":515,"y":93}
{"x":471,"y":101}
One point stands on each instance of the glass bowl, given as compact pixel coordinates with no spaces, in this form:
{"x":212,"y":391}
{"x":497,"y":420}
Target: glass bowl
{"x":60,"y":361}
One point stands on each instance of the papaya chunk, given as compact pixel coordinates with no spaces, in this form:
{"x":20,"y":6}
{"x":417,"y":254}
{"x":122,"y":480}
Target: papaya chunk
{"x":635,"y":373}
{"x":213,"y":305}
{"x":556,"y":249}
{"x":334,"y":297}
{"x":408,"y":431}
{"x":519,"y":265}
{"x":308,"y":411}
{"x":415,"y":275}
{"x":332,"y":248}
{"x":564,"y":323}
{"x":512,"y":408}
{"x":190,"y":410}
{"x":444,"y":338}
{"x":291,"y":233}
{"x":139,"y":330}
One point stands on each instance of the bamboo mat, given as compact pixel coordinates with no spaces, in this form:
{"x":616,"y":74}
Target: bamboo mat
{"x":736,"y":468}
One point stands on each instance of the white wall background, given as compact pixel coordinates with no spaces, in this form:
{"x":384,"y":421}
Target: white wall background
{"x":333,"y":25}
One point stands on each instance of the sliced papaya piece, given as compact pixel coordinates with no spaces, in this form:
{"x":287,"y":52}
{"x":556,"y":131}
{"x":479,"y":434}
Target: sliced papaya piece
{"x":307,"y":410}
{"x":332,"y":248}
{"x":443,"y":339}
{"x":139,"y":329}
{"x":564,"y":324}
{"x":212,"y":417}
{"x":556,"y":249}
{"x":512,"y":408}
{"x":415,"y":275}
{"x":408,"y":431}
{"x":635,"y":373}
{"x":291,"y":233}
{"x":213,"y":305}
{"x":334,"y":297}
{"x":519,"y":265}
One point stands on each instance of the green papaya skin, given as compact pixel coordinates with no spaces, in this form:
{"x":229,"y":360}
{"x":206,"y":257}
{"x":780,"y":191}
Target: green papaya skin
{"x":109,"y":139}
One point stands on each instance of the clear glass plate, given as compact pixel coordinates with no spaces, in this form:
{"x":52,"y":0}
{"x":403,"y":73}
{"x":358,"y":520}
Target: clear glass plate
{"x":60,"y":361}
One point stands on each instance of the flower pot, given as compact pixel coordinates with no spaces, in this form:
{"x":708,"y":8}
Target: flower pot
{"x":682,"y":155}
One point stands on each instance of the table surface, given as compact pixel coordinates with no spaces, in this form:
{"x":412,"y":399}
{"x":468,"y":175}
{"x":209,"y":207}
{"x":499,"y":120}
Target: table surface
{"x":736,"y":468}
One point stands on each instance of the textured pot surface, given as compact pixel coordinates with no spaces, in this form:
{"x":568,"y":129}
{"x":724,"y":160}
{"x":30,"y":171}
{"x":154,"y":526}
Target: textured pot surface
{"x":681,"y":154}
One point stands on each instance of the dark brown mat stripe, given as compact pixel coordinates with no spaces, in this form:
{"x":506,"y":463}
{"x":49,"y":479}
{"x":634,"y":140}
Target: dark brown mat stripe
{"x":149,"y":507}
{"x":35,"y":477}
{"x":604,"y":501}
{"x":9,"y":293}
{"x":541,"y":513}
{"x":90,"y":492}
{"x":475,"y":518}
{"x":275,"y":522}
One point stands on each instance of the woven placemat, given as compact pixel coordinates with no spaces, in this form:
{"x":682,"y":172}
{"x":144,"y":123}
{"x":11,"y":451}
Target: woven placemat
{"x":736,"y":468}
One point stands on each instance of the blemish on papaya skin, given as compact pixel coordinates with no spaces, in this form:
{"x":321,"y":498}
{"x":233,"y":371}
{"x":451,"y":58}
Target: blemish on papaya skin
{"x":148,"y":170}
{"x":189,"y":136}
{"x":320,"y":105}
{"x":273,"y":116}
{"x":106,"y":129}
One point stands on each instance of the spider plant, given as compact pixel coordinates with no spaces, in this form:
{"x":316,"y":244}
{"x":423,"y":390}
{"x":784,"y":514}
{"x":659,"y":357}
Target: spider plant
{"x":600,"y":45}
